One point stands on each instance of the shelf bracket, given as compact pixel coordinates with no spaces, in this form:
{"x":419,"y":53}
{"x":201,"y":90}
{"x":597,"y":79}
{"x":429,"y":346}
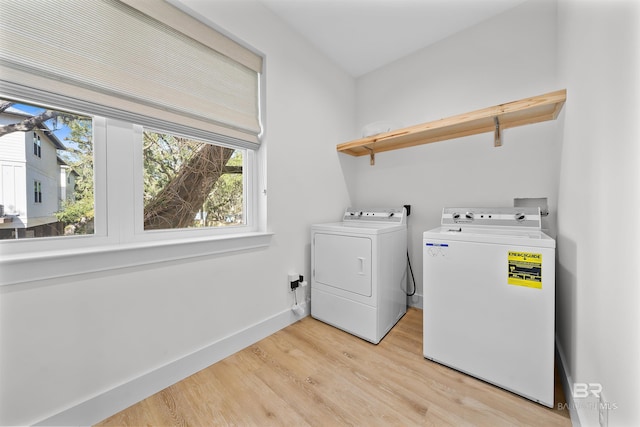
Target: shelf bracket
{"x":497,"y":137}
{"x":372,"y":156}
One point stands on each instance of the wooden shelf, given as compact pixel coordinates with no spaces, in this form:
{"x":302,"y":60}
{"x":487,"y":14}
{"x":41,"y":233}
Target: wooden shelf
{"x":523,"y":112}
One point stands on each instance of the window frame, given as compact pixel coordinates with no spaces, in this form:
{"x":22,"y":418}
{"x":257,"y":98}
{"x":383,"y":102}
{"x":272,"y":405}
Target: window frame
{"x":249,"y":177}
{"x":46,"y":246}
{"x":119,"y":240}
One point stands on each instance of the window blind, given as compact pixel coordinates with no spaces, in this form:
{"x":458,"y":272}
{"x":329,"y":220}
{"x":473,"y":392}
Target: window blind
{"x":140,"y":58}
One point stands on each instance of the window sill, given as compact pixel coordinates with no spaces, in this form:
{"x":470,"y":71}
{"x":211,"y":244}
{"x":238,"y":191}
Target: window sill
{"x":54,"y":264}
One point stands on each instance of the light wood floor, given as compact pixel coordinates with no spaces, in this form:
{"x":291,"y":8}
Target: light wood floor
{"x":313,"y":374}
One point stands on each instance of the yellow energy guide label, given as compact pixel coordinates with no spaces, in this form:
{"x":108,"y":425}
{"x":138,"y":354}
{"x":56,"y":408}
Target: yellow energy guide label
{"x":525,"y":269}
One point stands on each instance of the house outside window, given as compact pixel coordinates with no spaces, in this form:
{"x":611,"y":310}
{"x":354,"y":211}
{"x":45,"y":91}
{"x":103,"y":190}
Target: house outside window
{"x":52,"y":210}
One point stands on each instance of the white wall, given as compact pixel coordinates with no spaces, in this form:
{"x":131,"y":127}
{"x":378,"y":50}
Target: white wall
{"x":13,"y":156}
{"x":66,"y":341}
{"x":509,"y":57}
{"x":15,"y":146}
{"x":598,"y":316}
{"x":12,"y":188}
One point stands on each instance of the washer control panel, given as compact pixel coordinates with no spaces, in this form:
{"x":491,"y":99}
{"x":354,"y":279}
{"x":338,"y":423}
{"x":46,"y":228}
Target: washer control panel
{"x":391,"y":215}
{"x":488,"y":217}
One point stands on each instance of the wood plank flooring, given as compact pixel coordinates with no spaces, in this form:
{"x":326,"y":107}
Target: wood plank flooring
{"x":311,"y":374}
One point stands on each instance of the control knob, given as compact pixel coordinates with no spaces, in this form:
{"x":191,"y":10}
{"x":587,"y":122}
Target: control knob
{"x":520,"y":217}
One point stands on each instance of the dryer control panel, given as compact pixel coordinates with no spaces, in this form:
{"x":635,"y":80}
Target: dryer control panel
{"x":388,"y":215}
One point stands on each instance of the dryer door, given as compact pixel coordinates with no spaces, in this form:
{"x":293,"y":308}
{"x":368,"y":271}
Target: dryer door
{"x":343,"y":262}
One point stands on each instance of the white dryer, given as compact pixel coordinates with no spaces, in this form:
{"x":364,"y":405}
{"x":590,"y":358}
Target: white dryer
{"x":358,"y":271}
{"x":489,"y":298}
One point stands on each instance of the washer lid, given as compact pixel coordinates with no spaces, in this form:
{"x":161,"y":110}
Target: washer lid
{"x":494,"y":235}
{"x":359,"y":227}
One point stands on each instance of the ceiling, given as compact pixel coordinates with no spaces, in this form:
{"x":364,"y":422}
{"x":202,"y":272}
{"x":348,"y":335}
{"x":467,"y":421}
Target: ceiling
{"x":363,"y":35}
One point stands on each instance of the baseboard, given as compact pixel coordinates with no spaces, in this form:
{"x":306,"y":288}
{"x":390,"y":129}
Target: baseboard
{"x":567,"y":385}
{"x":115,"y":400}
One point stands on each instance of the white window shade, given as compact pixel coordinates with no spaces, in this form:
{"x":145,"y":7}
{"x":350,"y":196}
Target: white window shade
{"x":147,"y":60}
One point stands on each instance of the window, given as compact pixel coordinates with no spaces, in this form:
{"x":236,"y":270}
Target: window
{"x":180,"y":92}
{"x":37,"y":145}
{"x":190,"y":183}
{"x":75,"y":215}
{"x":37,"y":192}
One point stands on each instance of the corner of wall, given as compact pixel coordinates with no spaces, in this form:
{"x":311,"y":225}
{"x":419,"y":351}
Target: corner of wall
{"x":567,"y":388}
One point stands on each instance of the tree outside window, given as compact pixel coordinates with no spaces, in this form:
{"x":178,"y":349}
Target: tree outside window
{"x":189,"y":183}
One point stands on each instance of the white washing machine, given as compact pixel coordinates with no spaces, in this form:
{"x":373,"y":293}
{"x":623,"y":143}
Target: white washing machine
{"x":358,"y":271}
{"x":489,"y":297}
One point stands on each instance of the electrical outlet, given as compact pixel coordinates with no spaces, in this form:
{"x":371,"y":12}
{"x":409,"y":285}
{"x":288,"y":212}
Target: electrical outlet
{"x":293,"y":281}
{"x":603,"y":411}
